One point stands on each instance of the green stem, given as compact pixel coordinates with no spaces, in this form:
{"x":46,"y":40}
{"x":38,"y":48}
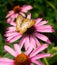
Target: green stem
{"x":45,"y":60}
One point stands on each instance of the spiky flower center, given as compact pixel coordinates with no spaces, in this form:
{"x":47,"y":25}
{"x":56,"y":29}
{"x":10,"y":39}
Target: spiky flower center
{"x":22,"y":59}
{"x":30,"y":30}
{"x":17,"y":9}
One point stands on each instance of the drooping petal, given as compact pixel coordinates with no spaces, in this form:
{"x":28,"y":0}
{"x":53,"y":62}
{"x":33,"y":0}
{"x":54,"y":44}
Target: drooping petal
{"x":13,"y":38}
{"x":32,"y":41}
{"x":36,"y":41}
{"x":42,"y":37}
{"x":10,"y":50}
{"x":27,"y":43}
{"x":22,"y":41}
{"x":38,"y":49}
{"x":17,"y":48}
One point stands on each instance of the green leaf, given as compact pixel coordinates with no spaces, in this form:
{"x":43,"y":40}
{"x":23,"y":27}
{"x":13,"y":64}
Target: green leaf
{"x":53,"y":50}
{"x":1,"y":46}
{"x":7,"y":55}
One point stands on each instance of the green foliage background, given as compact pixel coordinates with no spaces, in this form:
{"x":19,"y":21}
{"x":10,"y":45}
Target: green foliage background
{"x":47,"y":9}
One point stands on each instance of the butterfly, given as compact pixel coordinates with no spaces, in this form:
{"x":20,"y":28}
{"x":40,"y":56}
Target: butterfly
{"x":22,"y":24}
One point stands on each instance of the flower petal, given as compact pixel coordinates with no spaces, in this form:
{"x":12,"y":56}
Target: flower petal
{"x":28,"y":51}
{"x":13,"y":38}
{"x":43,"y":55}
{"x":36,"y":41}
{"x":10,"y":50}
{"x":3,"y":63}
{"x":31,"y":64}
{"x":6,"y":60}
{"x":32,"y":42}
{"x":42,"y":37}
{"x":17,"y":48}
{"x":29,"y":16}
{"x":37,"y":62}
{"x":42,"y":23}
{"x":22,"y":14}
{"x":27,"y":43}
{"x":9,"y":14}
{"x":22,"y":41}
{"x":25,"y":8}
{"x":39,"y":49}
{"x":11,"y":28}
{"x":38,"y":20}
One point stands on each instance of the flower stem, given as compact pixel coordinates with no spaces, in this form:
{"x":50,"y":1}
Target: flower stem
{"x":45,"y":60}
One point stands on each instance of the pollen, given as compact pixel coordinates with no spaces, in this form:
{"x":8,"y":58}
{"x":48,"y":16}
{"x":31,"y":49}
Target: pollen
{"x":17,"y":9}
{"x":22,"y":59}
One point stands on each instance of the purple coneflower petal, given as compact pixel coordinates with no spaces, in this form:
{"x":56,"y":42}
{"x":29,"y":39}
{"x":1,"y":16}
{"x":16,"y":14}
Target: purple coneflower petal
{"x":22,"y":41}
{"x":13,"y":23}
{"x":37,"y":62}
{"x":43,"y":55}
{"x":4,"y":63}
{"x":11,"y":33}
{"x":47,"y":30}
{"x":39,"y":49}
{"x":10,"y":13}
{"x":17,"y":48}
{"x":10,"y":50}
{"x":11,"y":28}
{"x":31,"y":64}
{"x":32,"y":41}
{"x":36,"y":41}
{"x":6,"y":60}
{"x":42,"y":23}
{"x":38,"y":20}
{"x":13,"y":38}
{"x":29,"y":16}
{"x":22,"y":14}
{"x":42,"y":37}
{"x":27,"y":43}
{"x":28,"y":51}
{"x":25,"y":8}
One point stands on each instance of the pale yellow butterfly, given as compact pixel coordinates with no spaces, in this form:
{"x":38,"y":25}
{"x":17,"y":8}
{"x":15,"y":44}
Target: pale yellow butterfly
{"x":22,"y":24}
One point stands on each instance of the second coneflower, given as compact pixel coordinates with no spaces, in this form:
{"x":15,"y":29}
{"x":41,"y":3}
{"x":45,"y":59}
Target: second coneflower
{"x":29,"y":57}
{"x":29,"y":31}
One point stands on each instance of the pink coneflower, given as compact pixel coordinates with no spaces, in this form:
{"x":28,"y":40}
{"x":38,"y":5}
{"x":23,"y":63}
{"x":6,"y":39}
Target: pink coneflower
{"x":17,"y":10}
{"x":28,"y":57}
{"x":31,"y":35}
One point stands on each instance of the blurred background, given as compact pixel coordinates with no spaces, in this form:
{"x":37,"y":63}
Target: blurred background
{"x":47,"y":9}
